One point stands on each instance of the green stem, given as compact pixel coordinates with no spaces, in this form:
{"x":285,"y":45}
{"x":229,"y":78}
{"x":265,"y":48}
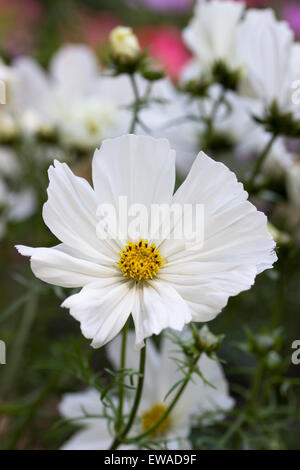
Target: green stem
{"x":136,"y":104}
{"x":17,"y":349}
{"x":232,"y":430}
{"x":118,"y":439}
{"x":172,"y":404}
{"x":259,"y":162}
{"x":211,"y":119}
{"x":256,"y":383}
{"x":119,"y":422}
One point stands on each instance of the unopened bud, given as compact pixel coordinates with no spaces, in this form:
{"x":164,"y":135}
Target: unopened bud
{"x":207,"y":341}
{"x":124,"y":45}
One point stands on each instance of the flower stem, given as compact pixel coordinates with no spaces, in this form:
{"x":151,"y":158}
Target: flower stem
{"x":210,"y":121}
{"x":136,"y":104}
{"x":256,"y":383}
{"x":172,"y":404}
{"x":119,"y":422}
{"x":259,"y":162}
{"x":119,"y":438}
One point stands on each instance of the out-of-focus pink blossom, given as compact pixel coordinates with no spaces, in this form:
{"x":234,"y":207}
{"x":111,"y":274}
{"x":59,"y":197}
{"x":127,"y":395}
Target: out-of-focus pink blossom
{"x":291,"y":13}
{"x":164,"y":5}
{"x":18,"y":20}
{"x":91,"y":28}
{"x":165,"y":44}
{"x":256,"y":3}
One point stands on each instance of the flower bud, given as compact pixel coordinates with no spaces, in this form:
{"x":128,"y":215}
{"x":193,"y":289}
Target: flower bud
{"x":264,"y":342}
{"x":207,"y":341}
{"x":124,"y":45}
{"x":273,"y":360}
{"x":153,"y":74}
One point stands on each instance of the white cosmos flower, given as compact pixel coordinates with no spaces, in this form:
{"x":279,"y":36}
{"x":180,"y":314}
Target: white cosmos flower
{"x":265,"y":47}
{"x":74,"y":98}
{"x":197,"y":399}
{"x":211,"y":34}
{"x":187,"y":284}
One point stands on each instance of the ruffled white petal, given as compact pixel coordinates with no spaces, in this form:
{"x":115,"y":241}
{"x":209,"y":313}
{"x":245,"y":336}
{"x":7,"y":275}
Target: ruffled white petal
{"x":102,"y":308}
{"x":158,"y":306}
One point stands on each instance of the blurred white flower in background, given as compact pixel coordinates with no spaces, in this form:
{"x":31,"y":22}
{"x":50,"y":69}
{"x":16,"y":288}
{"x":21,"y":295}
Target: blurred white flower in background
{"x":186,"y":284}
{"x":249,"y":138}
{"x":266,"y":50}
{"x":8,"y":109}
{"x":199,"y":400}
{"x":17,"y":203}
{"x":212,"y":33}
{"x":86,"y":409}
{"x":71,"y":100}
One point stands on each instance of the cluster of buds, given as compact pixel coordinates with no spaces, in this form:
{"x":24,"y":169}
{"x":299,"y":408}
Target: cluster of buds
{"x":262,"y":343}
{"x":126,"y":55}
{"x":266,"y":345}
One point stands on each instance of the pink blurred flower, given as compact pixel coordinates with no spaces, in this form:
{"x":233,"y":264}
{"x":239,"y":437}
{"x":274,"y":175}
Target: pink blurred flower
{"x":165,"y":44}
{"x":90,"y":28}
{"x":291,"y":13}
{"x":18,"y":19}
{"x":175,"y":5}
{"x":255,"y":3}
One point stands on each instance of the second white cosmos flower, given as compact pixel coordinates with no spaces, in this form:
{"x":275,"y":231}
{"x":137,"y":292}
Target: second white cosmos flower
{"x":176,"y":285}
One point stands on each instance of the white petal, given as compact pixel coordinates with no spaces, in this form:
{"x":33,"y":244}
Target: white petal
{"x":159,"y":306}
{"x":56,"y":266}
{"x":102,"y":308}
{"x":237,"y":244}
{"x":201,"y":397}
{"x":92,"y":438}
{"x":76,"y":405}
{"x":139,"y":167}
{"x":70,"y":213}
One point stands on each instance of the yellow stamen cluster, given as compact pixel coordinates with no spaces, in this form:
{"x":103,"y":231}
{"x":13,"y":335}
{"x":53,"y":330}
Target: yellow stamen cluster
{"x":151,"y":416}
{"x":140,"y":260}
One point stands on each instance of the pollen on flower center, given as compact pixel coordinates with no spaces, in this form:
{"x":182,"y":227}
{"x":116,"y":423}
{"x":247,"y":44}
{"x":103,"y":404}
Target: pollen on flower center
{"x":151,"y":416}
{"x":140,"y":260}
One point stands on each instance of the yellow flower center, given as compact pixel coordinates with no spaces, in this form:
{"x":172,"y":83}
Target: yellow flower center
{"x":151,"y":416}
{"x":140,"y":260}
